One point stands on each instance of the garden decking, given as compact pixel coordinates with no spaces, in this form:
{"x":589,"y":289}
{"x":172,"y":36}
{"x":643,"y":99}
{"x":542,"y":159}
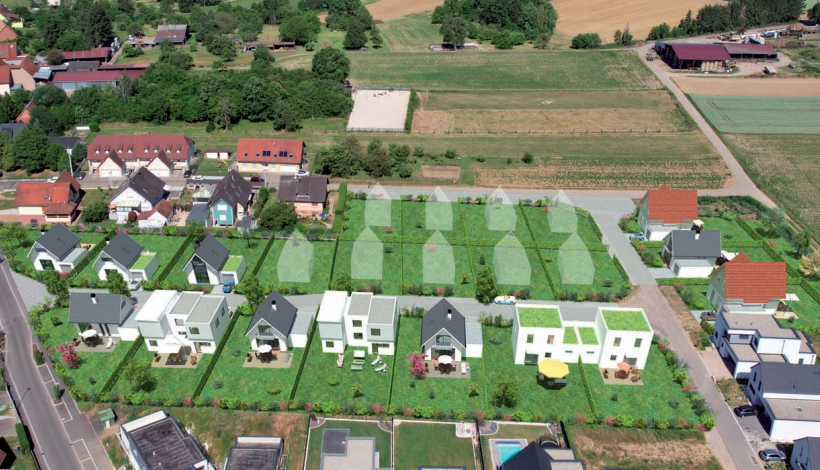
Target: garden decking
{"x":282,"y":361}
{"x":176,"y":361}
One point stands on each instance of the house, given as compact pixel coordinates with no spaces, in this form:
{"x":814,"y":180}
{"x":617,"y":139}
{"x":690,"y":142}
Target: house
{"x":663,"y":210}
{"x":604,"y":335}
{"x":360,"y":320}
{"x":307,"y":193}
{"x":57,"y":250}
{"x":7,"y":33}
{"x":157,"y":217}
{"x":6,"y":80}
{"x":67,"y":143}
{"x":806,"y":454}
{"x":111,"y":166}
{"x":138,"y":150}
{"x":534,"y":457}
{"x":231,"y":200}
{"x":444,"y":331}
{"x":744,"y":286}
{"x":83,"y":65}
{"x":141,"y":192}
{"x":127,"y":257}
{"x":100,"y":54}
{"x":746,"y":339}
{"x":161,"y":165}
{"x":172,"y":321}
{"x":703,"y":57}
{"x":217,"y":154}
{"x":25,"y":115}
{"x":263,"y":155}
{"x":107,"y":314}
{"x":56,"y":201}
{"x":12,"y":128}
{"x":6,"y":16}
{"x":256,"y":453}
{"x":70,"y":81}
{"x":176,"y":34}
{"x":276,"y":322}
{"x":691,"y":253}
{"x":157,"y":441}
{"x":23,"y":71}
{"x":213,"y":264}
{"x":790,"y":397}
{"x":251,"y":46}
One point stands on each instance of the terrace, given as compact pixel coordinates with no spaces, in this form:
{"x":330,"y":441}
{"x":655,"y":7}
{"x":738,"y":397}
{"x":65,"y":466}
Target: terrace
{"x":625,"y":320}
{"x":181,"y":360}
{"x":588,"y":336}
{"x":570,"y":337}
{"x":143,"y":260}
{"x":271,"y":360}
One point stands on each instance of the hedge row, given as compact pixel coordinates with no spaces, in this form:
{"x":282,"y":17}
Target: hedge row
{"x":733,"y":245}
{"x":222,"y":342}
{"x":411,"y":108}
{"x":112,"y":379}
{"x":776,"y":256}
{"x":538,"y":252}
{"x":624,"y":274}
{"x":264,"y":255}
{"x":811,"y":290}
{"x":90,"y":257}
{"x":339,"y":210}
{"x":748,"y":228}
{"x":592,"y":406}
{"x":22,"y":438}
{"x":688,"y":281}
{"x":646,"y":244}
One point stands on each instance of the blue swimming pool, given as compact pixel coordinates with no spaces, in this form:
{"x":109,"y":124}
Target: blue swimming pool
{"x":507,"y":449}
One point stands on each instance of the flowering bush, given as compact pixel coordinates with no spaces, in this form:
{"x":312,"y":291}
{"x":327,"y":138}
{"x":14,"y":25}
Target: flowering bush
{"x":609,"y":421}
{"x":377,"y":409}
{"x":388,"y":229}
{"x":70,"y":358}
{"x":580,"y":419}
{"x":439,"y":290}
{"x":430,"y":247}
{"x":507,"y":417}
{"x":417,"y":368}
{"x":187,"y":401}
{"x":308,"y":406}
{"x":283,"y":405}
{"x":407,"y":412}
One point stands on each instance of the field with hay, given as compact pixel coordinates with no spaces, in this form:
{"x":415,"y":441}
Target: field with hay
{"x":791,"y":86}
{"x":761,"y":114}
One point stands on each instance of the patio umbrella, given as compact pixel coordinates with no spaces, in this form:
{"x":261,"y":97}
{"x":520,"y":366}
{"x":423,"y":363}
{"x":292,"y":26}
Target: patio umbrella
{"x":89,"y":334}
{"x":265,"y":348}
{"x":624,"y":366}
{"x":553,"y":369}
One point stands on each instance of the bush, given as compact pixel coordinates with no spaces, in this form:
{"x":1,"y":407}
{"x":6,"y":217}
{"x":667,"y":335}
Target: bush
{"x":333,"y":381}
{"x":22,"y":437}
{"x":527,"y":158}
{"x":586,"y":41}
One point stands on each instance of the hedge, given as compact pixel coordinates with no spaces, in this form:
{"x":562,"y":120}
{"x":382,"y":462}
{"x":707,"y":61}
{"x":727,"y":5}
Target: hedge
{"x":647,"y":244}
{"x":90,"y":257}
{"x":624,"y":274}
{"x":339,"y":210}
{"x":748,"y":228}
{"x":595,"y":227}
{"x":222,"y":342}
{"x":22,"y":437}
{"x":538,"y":252}
{"x":168,"y":267}
{"x":298,"y":377}
{"x":688,"y":281}
{"x":592,"y":406}
{"x":738,"y":245}
{"x":263,"y":255}
{"x":112,"y":379}
{"x":411,"y":108}
{"x":811,"y":290}
{"x":776,"y":256}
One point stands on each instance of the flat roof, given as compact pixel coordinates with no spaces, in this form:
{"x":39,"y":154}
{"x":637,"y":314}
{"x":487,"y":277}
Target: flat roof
{"x":153,"y":309}
{"x":625,"y":320}
{"x":744,"y":352}
{"x":163,"y":444}
{"x":539,"y":316}
{"x":359,"y":304}
{"x":206,"y":308}
{"x":185,"y":304}
{"x":765,"y":324}
{"x":772,"y":357}
{"x":332,"y":307}
{"x":801,"y":410}
{"x":255,"y":453}
{"x":382,"y":310}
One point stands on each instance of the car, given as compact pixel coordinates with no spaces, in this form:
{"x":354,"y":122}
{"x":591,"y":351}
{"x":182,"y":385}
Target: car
{"x":53,"y":179}
{"x":126,"y":172}
{"x":227,"y":287}
{"x":256,"y":179}
{"x":504,"y":300}
{"x":772,"y":455}
{"x":708,"y":316}
{"x":302,"y":173}
{"x":187,"y":174}
{"x":745,"y":410}
{"x":134,"y":284}
{"x":197,"y":178}
{"x":637,"y":236}
{"x":80,"y":175}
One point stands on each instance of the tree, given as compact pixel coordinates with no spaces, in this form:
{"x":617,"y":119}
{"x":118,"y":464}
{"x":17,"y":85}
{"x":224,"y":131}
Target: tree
{"x":300,"y":29}
{"x":95,"y":213}
{"x":505,"y":392}
{"x":376,"y":39}
{"x":70,"y":359}
{"x":453,"y":32}
{"x":196,"y":230}
{"x":485,"y":285}
{"x":13,"y":232}
{"x":814,"y":13}
{"x":331,"y":64}
{"x":379,"y":163}
{"x":116,"y":283}
{"x":130,"y":51}
{"x":278,"y":215}
{"x":226,"y":111}
{"x":356,"y":36}
{"x":55,"y":284}
{"x":773,"y":221}
{"x":140,"y":373}
{"x":343,"y":282}
{"x":810,"y":264}
{"x":96,"y":24}
{"x":586,"y":41}
{"x":340,"y":159}
{"x":54,"y":57}
{"x":803,"y":241}
{"x":252,"y":290}
{"x":28,"y":149}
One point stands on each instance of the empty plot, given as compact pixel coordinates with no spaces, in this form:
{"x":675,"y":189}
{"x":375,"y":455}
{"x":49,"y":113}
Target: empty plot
{"x":379,"y":110}
{"x":762,"y":114}
{"x":749,"y":86}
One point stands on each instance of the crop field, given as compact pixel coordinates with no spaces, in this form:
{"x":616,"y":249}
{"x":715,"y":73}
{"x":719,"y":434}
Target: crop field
{"x":441,"y":173}
{"x":786,"y":167}
{"x":385,"y":10}
{"x":609,"y":70}
{"x":749,"y":86}
{"x":411,"y":33}
{"x":762,"y":114}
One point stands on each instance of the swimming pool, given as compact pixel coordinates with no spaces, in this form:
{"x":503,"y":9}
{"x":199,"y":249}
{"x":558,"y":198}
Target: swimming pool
{"x":507,"y":449}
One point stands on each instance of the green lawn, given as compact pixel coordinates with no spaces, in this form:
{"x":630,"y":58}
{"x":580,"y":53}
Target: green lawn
{"x":410,"y":33}
{"x":391,"y":264}
{"x":756,"y":254}
{"x":319,"y":274}
{"x":606,"y":277}
{"x":413,"y":267}
{"x":730,"y":231}
{"x":240,"y":247}
{"x":212,"y":166}
{"x":357,"y":429}
{"x":807,"y":310}
{"x":164,"y":246}
{"x":431,"y":445}
{"x":550,"y":225}
{"x":177,"y":274}
{"x":249,"y":384}
{"x":21,"y":253}
{"x":510,"y":270}
{"x":355,"y":216}
{"x":414,"y":219}
{"x":511,"y":431}
{"x":477,"y":219}
{"x":170,"y":382}
{"x":449,"y":394}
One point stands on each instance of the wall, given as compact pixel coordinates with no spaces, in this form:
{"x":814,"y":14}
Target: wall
{"x":222,"y":214}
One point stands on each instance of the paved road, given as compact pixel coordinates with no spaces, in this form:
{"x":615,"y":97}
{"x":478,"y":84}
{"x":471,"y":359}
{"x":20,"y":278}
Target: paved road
{"x":63,"y":438}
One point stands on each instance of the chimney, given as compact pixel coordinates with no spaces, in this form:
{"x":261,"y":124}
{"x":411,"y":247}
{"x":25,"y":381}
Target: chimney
{"x":449,"y":314}
{"x":94,"y":299}
{"x":697,"y":235}
{"x":273,"y":305}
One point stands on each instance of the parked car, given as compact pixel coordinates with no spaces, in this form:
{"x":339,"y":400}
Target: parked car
{"x":134,"y":284}
{"x":126,"y":172}
{"x":53,"y":179}
{"x":745,"y":410}
{"x":772,"y":455}
{"x":637,"y":236}
{"x":708,"y":316}
{"x":256,"y":179}
{"x":504,"y":300}
{"x":187,"y":174}
{"x":302,"y":173}
{"x":197,"y":178}
{"x":80,"y":175}
{"x":227,"y":287}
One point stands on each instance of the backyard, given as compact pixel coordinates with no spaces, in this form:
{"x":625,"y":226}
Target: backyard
{"x":163,"y":246}
{"x":528,"y":432}
{"x":169,"y":383}
{"x":356,"y":429}
{"x":431,"y":445}
{"x":367,"y":262}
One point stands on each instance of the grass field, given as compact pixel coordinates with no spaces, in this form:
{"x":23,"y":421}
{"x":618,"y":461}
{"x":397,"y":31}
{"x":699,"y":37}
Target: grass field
{"x":170,"y":382}
{"x":411,"y":33}
{"x":163,"y":246}
{"x":390,"y":268}
{"x":357,"y":429}
{"x":425,"y":445}
{"x":761,"y":114}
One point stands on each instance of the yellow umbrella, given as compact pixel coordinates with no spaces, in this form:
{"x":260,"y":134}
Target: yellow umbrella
{"x":553,"y":369}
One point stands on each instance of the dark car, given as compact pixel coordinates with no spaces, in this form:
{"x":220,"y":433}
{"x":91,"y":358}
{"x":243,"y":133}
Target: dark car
{"x":708,"y":316}
{"x":746,"y":410}
{"x":187,"y":173}
{"x":772,"y":455}
{"x":256,"y":179}
{"x":80,"y":175}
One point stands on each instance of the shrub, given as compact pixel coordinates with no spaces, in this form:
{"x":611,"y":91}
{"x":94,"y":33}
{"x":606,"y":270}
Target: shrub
{"x":333,"y":381}
{"x":624,"y":421}
{"x":274,"y":390}
{"x":473,"y":389}
{"x":673,"y":402}
{"x":22,"y":438}
{"x":218,"y":384}
{"x":527,"y":158}
{"x":586,"y":41}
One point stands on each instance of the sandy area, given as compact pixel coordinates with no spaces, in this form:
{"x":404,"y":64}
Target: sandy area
{"x":379,"y":109}
{"x":773,"y":86}
{"x":391,"y":9}
{"x":606,"y":16}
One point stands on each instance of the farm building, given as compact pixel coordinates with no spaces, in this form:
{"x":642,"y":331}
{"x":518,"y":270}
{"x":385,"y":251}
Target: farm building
{"x":703,"y":57}
{"x":271,"y":46}
{"x":102,"y":54}
{"x":70,"y":81}
{"x":177,"y":34}
{"x":751,"y":51}
{"x":470,"y":46}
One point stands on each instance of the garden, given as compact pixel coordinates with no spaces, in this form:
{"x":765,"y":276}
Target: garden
{"x":163,"y":246}
{"x":431,"y":445}
{"x":391,"y":266}
{"x":356,"y":429}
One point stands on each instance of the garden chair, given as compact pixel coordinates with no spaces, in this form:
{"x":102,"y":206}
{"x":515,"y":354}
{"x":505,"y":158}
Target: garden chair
{"x":376,"y":361}
{"x":463,"y":368}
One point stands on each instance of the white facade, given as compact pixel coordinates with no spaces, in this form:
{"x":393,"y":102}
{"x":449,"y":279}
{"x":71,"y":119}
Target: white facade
{"x":330,"y":321}
{"x":155,"y":220}
{"x":170,"y":320}
{"x":109,"y":169}
{"x":105,"y":264}
{"x":127,"y":201}
{"x":217,"y":277}
{"x":45,"y":261}
{"x":371,"y":324}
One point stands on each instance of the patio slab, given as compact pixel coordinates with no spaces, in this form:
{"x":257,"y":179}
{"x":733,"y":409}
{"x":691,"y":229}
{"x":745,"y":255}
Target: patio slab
{"x":283,"y":361}
{"x":613,"y":381}
{"x":164,"y":362}
{"x":454,"y":374}
{"x":97,"y":347}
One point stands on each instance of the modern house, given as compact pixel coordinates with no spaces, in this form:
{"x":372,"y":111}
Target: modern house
{"x":158,"y":441}
{"x":231,"y":200}
{"x":141,"y":192}
{"x":790,"y":397}
{"x":744,"y":286}
{"x":806,"y":454}
{"x":157,"y":217}
{"x":600,"y":335}
{"x":256,"y":453}
{"x":172,"y":321}
{"x":176,"y":34}
{"x":57,"y":250}
{"x":747,"y":339}
{"x":360,"y":320}
{"x":212,"y":263}
{"x":663,"y":210}
{"x":138,"y":150}
{"x":269,"y":155}
{"x":344,"y":452}
{"x":57,"y":201}
{"x":444,"y":331}
{"x":535,"y":457}
{"x":277,"y":322}
{"x":307,"y":193}
{"x":111,"y":166}
{"x":692,"y":253}
{"x":108,"y":314}
{"x":127,"y":257}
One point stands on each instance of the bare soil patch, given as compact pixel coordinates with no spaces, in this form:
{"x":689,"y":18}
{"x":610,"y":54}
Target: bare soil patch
{"x":689,"y":323}
{"x":749,"y":86}
{"x":441,"y":173}
{"x":575,"y":16}
{"x":429,"y":122}
{"x":391,"y":9}
{"x":563,"y":120}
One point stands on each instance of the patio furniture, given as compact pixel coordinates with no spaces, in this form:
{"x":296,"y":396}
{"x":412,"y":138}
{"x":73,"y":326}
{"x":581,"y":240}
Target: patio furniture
{"x":463,"y":368}
{"x":110,"y":343}
{"x":358,"y":364}
{"x":156,"y":357}
{"x":193,"y":360}
{"x":265,"y":348}
{"x":376,"y":361}
{"x":340,"y":361}
{"x":435,"y":364}
{"x":606,"y":374}
{"x":444,"y":359}
{"x":621,"y":374}
{"x":381,"y":368}
{"x":359,"y":354}
{"x":248,"y":357}
{"x":624,"y":366}
{"x":635,"y":378}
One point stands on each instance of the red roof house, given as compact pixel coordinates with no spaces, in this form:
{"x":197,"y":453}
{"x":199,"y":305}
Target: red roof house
{"x":7,"y":33}
{"x":741,"y":283}
{"x":57,"y":199}
{"x":269,"y":155}
{"x":98,"y":53}
{"x":8,"y":50}
{"x":139,"y":149}
{"x":672,"y":206}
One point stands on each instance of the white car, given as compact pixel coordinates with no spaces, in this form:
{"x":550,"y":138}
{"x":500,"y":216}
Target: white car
{"x":197,"y":178}
{"x":504,"y":300}
{"x":53,"y":179}
{"x":134,"y":284}
{"x":302,"y":173}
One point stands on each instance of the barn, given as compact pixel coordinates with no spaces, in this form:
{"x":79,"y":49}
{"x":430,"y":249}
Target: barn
{"x":751,"y":51}
{"x":703,"y":57}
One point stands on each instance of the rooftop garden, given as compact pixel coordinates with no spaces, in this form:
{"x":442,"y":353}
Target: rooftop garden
{"x":232,"y":264}
{"x":539,"y":317}
{"x":570,"y":337}
{"x":588,"y":336}
{"x":142,"y":261}
{"x":625,"y":320}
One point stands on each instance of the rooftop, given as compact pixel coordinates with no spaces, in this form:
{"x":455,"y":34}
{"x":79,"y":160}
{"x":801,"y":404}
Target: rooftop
{"x":673,"y":206}
{"x":532,"y":316}
{"x":767,"y":325}
{"x":588,"y":336}
{"x":143,"y":260}
{"x":233,"y":263}
{"x":754,"y":282}
{"x":744,"y":352}
{"x":798,"y":410}
{"x":332,"y":307}
{"x":570,"y":337}
{"x":163,"y":443}
{"x":382,"y":310}
{"x":625,"y":320}
{"x":205,"y":308}
{"x":155,"y":306}
{"x":255,"y":453}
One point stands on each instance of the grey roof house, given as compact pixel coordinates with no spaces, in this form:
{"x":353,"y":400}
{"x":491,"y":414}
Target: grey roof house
{"x":806,"y":454}
{"x":534,"y":457}
{"x":59,"y":249}
{"x":212,"y":263}
{"x":445,"y":332}
{"x":124,"y":255}
{"x":158,"y":441}
{"x":307,"y":193}
{"x":790,"y":397}
{"x":141,"y":192}
{"x":231,"y":200}
{"x":277,"y":323}
{"x":692,"y":253}
{"x":110,"y":315}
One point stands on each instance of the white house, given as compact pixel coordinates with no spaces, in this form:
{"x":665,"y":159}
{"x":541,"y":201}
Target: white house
{"x":663,"y":210}
{"x":744,"y":286}
{"x":158,"y":441}
{"x":444,"y":331}
{"x":110,"y":315}
{"x":600,"y":335}
{"x":157,"y":217}
{"x":111,"y":166}
{"x":692,"y":253}
{"x":126,"y":256}
{"x":171,"y":321}
{"x":790,"y":397}
{"x":747,"y":339}
{"x":213,"y":264}
{"x":161,"y":166}
{"x":277,"y":322}
{"x":57,"y":250}
{"x":360,"y":320}
{"x":140,"y":193}
{"x":806,"y":454}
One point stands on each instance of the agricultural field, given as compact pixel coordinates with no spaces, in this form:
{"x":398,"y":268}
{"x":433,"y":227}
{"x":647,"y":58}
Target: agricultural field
{"x":385,"y":10}
{"x":410,"y":33}
{"x":760,"y":114}
{"x":769,"y":86}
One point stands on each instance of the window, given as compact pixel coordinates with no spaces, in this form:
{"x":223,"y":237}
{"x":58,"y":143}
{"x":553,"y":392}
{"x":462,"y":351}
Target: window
{"x":179,"y":322}
{"x":358,"y":336}
{"x":550,"y":339}
{"x":617,"y":342}
{"x":530,"y":339}
{"x":375,"y":332}
{"x":357,"y":323}
{"x":613,"y":358}
{"x":47,"y":265}
{"x":329,"y":344}
{"x":530,"y":359}
{"x":40,"y":250}
{"x":743,"y":337}
{"x":638,"y":342}
{"x":547,"y":355}
{"x":264,"y":329}
{"x":568,"y":353}
{"x":152,"y":342}
{"x":216,"y":324}
{"x":194,"y":330}
{"x":223,"y":217}
{"x":105,"y":258}
{"x":222,"y":312}
{"x":590,"y":353}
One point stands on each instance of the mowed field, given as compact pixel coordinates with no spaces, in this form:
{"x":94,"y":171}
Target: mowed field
{"x":749,"y":86}
{"x":391,"y":9}
{"x":604,"y":16}
{"x":761,"y":114}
